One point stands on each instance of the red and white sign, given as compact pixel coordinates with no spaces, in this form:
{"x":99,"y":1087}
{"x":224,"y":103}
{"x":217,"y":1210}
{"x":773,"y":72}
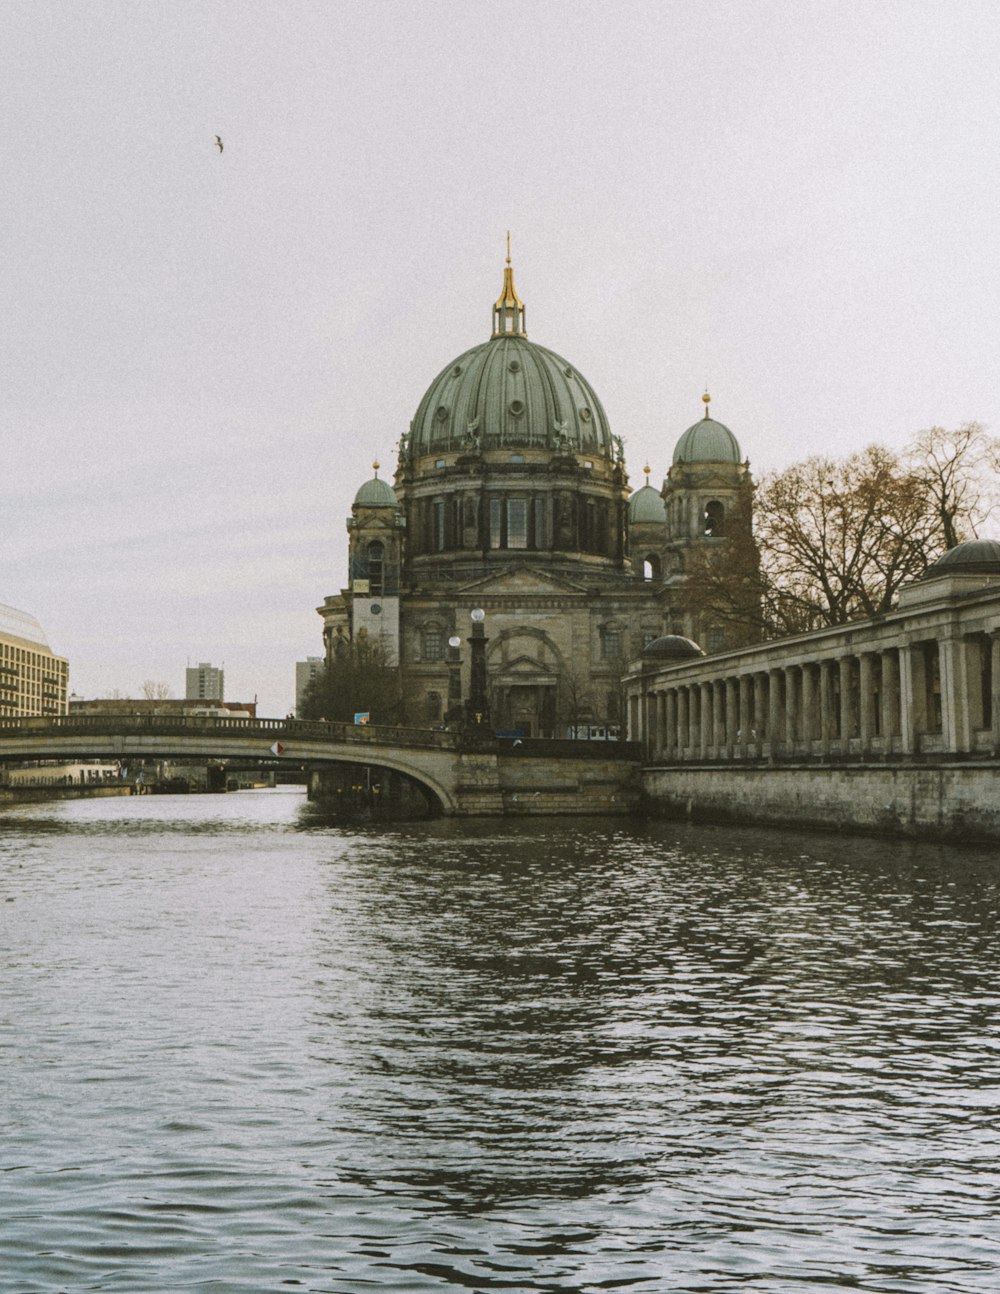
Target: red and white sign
{"x":277,"y":748}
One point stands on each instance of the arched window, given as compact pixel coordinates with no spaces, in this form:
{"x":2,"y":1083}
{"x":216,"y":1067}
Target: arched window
{"x":651,"y":567}
{"x":612,"y":639}
{"x":376,"y":558}
{"x":714,"y":516}
{"x":433,"y":643}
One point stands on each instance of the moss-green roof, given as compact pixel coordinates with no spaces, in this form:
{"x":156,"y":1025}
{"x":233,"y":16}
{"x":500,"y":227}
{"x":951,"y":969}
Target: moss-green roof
{"x":376,"y":493}
{"x":646,"y":505}
{"x":707,"y":441}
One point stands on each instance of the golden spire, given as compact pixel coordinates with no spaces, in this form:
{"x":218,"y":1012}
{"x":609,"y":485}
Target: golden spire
{"x":708,"y":400}
{"x":375,"y":466}
{"x":647,"y":469}
{"x":508,"y":310}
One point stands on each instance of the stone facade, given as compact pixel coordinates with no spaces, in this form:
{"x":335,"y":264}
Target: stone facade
{"x":917,"y":686}
{"x":511,"y":495}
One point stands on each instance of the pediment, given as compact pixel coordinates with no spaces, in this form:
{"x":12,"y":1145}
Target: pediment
{"x":525,"y":666}
{"x":523,"y":581}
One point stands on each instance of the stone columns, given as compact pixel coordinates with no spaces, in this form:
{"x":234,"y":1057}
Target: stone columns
{"x":759,"y":711}
{"x":732,"y":714}
{"x":808,"y":703}
{"x":707,"y":718}
{"x":866,"y":700}
{"x":670,"y":725}
{"x":719,"y":712}
{"x":683,"y":722}
{"x":775,"y":712}
{"x":743,"y":733}
{"x":694,"y":718}
{"x":826,"y":717}
{"x":956,"y":728}
{"x":793,"y":676}
{"x":995,"y":688}
{"x":912,"y":701}
{"x":847,"y":711}
{"x":890,"y":699}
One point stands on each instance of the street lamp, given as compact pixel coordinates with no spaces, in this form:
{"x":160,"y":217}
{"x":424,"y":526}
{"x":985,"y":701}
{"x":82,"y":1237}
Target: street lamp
{"x":453,"y":711}
{"x":478,"y":710}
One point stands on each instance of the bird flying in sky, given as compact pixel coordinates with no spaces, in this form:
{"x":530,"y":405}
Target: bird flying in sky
{"x":218,"y":143}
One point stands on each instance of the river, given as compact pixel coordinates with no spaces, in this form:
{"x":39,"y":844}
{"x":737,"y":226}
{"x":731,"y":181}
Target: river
{"x":245,"y":1050}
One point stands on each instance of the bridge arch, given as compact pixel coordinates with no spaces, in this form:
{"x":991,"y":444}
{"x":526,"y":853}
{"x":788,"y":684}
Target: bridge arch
{"x":427,"y":757}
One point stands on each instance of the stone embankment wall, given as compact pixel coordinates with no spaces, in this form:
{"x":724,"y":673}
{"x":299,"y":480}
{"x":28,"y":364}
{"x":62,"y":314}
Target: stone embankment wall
{"x":37,"y":794}
{"x":948,"y":800}
{"x":536,"y":778}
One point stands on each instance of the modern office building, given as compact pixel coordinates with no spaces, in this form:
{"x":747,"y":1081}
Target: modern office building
{"x":33,"y":680}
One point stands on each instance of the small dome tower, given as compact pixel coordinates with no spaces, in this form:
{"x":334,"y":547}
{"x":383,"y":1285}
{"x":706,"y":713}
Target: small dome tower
{"x":647,"y":531}
{"x":706,"y":482}
{"x":375,"y":554}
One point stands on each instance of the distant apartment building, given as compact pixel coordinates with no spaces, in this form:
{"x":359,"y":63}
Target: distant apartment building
{"x":203,"y":682}
{"x":305,"y":671}
{"x":33,"y":681}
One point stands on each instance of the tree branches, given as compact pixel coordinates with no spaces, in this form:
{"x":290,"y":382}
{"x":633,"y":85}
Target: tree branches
{"x":831,"y":540}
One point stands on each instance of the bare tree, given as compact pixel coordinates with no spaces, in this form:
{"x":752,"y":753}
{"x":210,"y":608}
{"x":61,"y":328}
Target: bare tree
{"x":838,"y":539}
{"x":959,"y":471}
{"x":153,"y":691}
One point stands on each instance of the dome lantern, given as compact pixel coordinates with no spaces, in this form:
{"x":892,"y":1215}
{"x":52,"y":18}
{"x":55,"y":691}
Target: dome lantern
{"x":508,"y":309}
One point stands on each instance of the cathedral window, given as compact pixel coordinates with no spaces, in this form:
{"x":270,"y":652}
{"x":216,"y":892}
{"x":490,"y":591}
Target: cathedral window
{"x":538,"y":507}
{"x":496,"y":522}
{"x":714,"y":517}
{"x":517,"y":523}
{"x":439,"y":526}
{"x":433,"y":644}
{"x":612,"y":643}
{"x":650,"y":567}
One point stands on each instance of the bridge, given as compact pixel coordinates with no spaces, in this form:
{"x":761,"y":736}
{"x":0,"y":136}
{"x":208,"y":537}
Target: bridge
{"x":465,"y":773}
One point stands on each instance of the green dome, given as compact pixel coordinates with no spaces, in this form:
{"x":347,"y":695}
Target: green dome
{"x":509,"y":392}
{"x":707,"y":441}
{"x":973,"y":557}
{"x":671,"y":647}
{"x":376,"y":494}
{"x":646,"y":505}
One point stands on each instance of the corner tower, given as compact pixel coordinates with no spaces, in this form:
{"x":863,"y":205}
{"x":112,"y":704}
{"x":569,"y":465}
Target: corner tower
{"x":705,"y":490}
{"x":375,"y":558}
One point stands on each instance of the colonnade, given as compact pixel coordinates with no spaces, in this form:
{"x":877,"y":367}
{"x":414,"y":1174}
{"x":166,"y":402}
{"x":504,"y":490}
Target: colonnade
{"x":926,"y":694}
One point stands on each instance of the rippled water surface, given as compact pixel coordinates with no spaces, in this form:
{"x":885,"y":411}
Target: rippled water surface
{"x":244,"y":1050}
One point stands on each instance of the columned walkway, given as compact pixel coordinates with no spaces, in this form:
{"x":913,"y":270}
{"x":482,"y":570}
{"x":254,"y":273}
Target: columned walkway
{"x":921,"y":680}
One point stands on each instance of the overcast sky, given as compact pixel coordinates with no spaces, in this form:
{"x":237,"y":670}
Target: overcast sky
{"x":201,"y":355}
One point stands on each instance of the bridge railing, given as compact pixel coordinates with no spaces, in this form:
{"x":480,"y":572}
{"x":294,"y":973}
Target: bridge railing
{"x":174,"y":725}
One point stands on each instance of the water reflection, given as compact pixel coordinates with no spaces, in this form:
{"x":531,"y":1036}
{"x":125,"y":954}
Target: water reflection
{"x":251,"y":1049}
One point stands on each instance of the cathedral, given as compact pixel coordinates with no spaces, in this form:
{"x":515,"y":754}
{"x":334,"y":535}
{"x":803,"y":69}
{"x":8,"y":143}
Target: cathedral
{"x":510,"y":497}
